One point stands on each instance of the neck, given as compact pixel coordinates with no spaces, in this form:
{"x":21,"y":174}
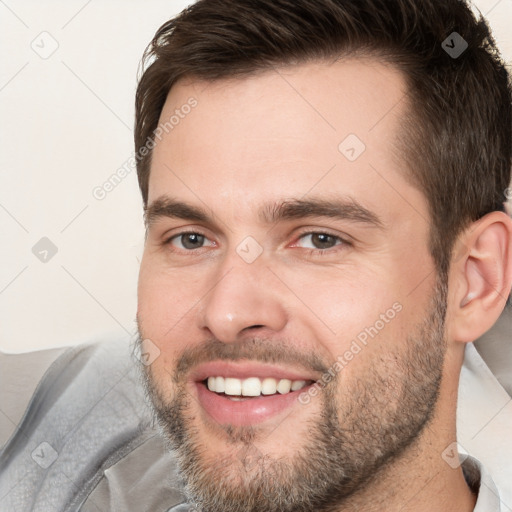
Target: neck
{"x":417,"y":482}
{"x":420,"y":479}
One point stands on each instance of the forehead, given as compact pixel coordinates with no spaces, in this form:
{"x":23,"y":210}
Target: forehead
{"x":322,"y":128}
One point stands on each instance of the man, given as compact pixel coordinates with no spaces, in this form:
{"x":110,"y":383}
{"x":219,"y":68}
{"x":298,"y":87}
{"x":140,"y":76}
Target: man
{"x":323,"y":186}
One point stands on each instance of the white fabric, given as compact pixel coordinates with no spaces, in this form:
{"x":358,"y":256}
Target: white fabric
{"x":484,"y":424}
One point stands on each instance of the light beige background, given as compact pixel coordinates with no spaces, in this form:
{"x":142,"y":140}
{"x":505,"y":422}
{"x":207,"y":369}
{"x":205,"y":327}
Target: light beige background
{"x":66,"y":128}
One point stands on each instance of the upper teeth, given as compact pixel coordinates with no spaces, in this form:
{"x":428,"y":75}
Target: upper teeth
{"x":253,"y":386}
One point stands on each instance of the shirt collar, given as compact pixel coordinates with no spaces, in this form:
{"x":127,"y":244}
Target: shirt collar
{"x":484,"y":416}
{"x":480,"y":482}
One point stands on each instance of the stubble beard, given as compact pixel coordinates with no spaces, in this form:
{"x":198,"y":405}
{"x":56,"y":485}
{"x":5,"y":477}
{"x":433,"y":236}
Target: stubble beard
{"x":363,"y":427}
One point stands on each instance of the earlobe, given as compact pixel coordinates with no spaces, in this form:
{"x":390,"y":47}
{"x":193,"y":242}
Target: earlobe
{"x":482,"y":276}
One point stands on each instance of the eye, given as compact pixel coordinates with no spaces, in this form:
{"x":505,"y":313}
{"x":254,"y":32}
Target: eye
{"x":189,"y":241}
{"x":319,"y":240}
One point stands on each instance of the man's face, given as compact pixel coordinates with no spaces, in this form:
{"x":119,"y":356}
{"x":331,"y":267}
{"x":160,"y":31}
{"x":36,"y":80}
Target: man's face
{"x":284,"y":252}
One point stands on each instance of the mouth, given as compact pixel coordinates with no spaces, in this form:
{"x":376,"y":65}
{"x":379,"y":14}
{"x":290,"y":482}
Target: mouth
{"x":252,"y":387}
{"x":247,"y":394}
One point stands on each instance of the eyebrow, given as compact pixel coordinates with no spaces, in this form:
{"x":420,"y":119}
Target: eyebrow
{"x":339,"y":208}
{"x":166,"y":207}
{"x":345,"y":208}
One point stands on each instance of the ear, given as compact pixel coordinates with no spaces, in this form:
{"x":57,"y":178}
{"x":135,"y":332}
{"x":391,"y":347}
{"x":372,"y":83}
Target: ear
{"x":480,"y":276}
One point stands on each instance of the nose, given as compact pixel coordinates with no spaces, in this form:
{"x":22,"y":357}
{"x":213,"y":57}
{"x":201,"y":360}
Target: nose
{"x":243,"y":297}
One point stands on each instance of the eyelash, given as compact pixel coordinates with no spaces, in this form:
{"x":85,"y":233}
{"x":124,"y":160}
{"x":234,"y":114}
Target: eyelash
{"x":183,"y":233}
{"x":340,"y":243}
{"x":311,"y":252}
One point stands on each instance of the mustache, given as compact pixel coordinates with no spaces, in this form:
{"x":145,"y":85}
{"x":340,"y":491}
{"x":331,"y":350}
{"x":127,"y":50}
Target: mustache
{"x":261,"y":350}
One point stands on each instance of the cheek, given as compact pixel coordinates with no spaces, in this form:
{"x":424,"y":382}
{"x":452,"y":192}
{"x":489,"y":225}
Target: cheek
{"x":342,"y":301}
{"x":360,"y":317}
{"x":162,"y":315}
{"x":166,"y":301}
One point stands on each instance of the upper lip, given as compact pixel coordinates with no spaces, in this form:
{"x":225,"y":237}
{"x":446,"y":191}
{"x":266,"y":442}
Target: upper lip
{"x":245,"y":369}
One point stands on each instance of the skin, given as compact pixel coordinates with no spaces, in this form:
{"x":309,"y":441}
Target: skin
{"x":271,"y":138}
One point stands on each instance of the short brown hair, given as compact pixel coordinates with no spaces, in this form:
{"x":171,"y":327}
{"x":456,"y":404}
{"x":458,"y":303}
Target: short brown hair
{"x":458,"y":132}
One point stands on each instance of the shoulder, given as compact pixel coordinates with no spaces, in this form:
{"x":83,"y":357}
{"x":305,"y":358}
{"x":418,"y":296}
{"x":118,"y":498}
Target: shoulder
{"x":87,"y":413}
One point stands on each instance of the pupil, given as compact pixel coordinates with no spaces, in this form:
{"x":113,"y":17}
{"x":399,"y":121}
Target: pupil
{"x":322,"y":240}
{"x":192,"y":240}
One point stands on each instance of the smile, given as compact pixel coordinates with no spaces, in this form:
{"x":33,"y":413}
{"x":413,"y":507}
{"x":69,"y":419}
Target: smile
{"x":247,"y":393}
{"x":253,"y":386}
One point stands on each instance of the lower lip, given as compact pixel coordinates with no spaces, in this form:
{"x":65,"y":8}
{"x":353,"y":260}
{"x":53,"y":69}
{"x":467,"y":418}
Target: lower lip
{"x":244,"y":412}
